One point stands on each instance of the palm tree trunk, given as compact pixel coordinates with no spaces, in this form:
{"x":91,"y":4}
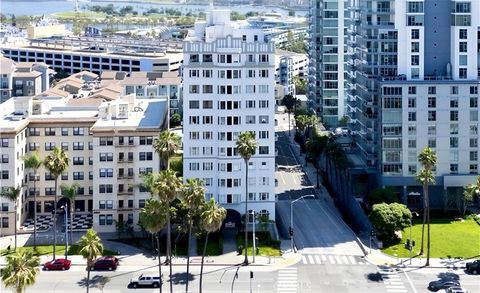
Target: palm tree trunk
{"x":159,"y":262}
{"x":15,"y":223}
{"x":88,"y":278}
{"x":35,"y":210}
{"x":203,"y":257}
{"x":425,"y":191}
{"x":428,"y":231}
{"x":188,"y":254}
{"x":71,"y":222}
{"x":246,"y":209}
{"x":169,"y":248}
{"x":289,"y":134}
{"x":55,"y":223}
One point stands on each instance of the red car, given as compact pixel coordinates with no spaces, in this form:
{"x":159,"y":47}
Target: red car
{"x":59,"y":264}
{"x":105,"y":263}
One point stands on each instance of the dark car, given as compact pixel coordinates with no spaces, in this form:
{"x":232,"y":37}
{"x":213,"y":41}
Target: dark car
{"x":59,"y":264}
{"x":105,"y":263}
{"x":473,"y":267}
{"x":442,"y":284}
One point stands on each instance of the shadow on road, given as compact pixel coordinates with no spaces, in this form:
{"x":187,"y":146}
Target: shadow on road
{"x":374,"y":277}
{"x":181,"y":278}
{"x":96,"y":281}
{"x":448,"y":276}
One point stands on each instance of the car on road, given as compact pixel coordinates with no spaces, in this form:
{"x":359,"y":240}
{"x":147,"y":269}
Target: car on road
{"x":456,"y":290}
{"x":473,"y":267}
{"x":105,"y":263}
{"x":442,"y":284}
{"x":146,"y":280}
{"x":59,"y":264}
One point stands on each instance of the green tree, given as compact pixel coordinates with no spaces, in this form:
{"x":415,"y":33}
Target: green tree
{"x":91,"y":247}
{"x":193,"y":198}
{"x":175,"y":119}
{"x":428,"y":160}
{"x":13,"y":194}
{"x":166,"y":185}
{"x":153,"y":219}
{"x":388,"y":218}
{"x":56,"y":163}
{"x":315,"y":148}
{"x":21,"y":270}
{"x":70,"y":192}
{"x":382,"y":195}
{"x":166,"y":146}
{"x":34,"y":162}
{"x":300,"y":85}
{"x":246,"y":146}
{"x":469,"y":193}
{"x":212,"y":216}
{"x":290,"y":103}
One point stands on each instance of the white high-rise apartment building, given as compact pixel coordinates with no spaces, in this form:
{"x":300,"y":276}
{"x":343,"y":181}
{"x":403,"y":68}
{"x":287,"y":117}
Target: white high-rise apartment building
{"x":228,"y":81}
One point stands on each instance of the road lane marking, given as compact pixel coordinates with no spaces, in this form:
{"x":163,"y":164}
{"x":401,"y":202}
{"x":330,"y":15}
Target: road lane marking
{"x":331,"y":259}
{"x":310,"y":259}
{"x":338,"y":259}
{"x":304,"y":259}
{"x":317,"y":259}
{"x":345,"y":259}
{"x":352,"y":259}
{"x":410,"y":282}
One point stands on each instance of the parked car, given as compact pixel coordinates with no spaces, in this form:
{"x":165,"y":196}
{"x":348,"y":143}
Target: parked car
{"x":456,"y":290}
{"x":146,"y":280}
{"x":473,"y":267}
{"x":105,"y":263}
{"x":442,"y":284}
{"x":59,"y":264}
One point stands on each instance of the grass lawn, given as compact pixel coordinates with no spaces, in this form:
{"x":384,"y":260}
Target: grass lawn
{"x":265,"y":245}
{"x":214,"y":245}
{"x":448,"y":239}
{"x":48,"y":249}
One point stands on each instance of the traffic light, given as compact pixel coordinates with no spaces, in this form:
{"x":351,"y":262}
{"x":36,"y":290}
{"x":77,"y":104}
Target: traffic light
{"x":372,"y":233}
{"x":290,"y":231}
{"x":251,"y":275}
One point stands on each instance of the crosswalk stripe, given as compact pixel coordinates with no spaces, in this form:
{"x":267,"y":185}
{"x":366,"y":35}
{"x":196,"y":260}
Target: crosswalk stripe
{"x":304,"y":259}
{"x":331,"y":259}
{"x":317,"y":259}
{"x":338,"y":259}
{"x":345,"y":259}
{"x":352,"y":259}
{"x":324,"y":258}
{"x":310,"y":258}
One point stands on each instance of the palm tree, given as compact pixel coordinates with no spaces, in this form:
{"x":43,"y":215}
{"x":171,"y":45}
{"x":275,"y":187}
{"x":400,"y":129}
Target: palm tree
{"x":315,"y":147}
{"x":193,"y":197}
{"x":212,"y":216}
{"x":13,"y":194}
{"x":428,"y":160}
{"x":21,"y":270}
{"x":91,"y":247}
{"x":153,"y":219}
{"x":470,"y":192}
{"x":56,"y":163}
{"x":246,"y":145}
{"x":34,"y":162}
{"x":167,"y":187}
{"x":166,"y":145}
{"x":290,"y":102}
{"x":70,"y":192}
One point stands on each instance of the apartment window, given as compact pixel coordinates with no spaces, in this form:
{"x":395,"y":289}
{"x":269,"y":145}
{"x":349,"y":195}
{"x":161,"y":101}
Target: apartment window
{"x":263,"y":119}
{"x":432,"y":142}
{"x":102,"y":218}
{"x":462,"y":73}
{"x":78,"y":146}
{"x":33,"y":146}
{"x":104,"y":157}
{"x":412,"y":116}
{"x":250,"y":119}
{"x":474,"y":156}
{"x":5,"y":174}
{"x":78,"y":160}
{"x":194,"y":119}
{"x":462,"y":33}
{"x":453,"y":115}
{"x":474,"y":90}
{"x":64,"y":131}
{"x":432,"y":130}
{"x":462,"y":47}
{"x":432,"y":90}
{"x":473,"y":115}
{"x":207,"y":135}
{"x":194,"y":89}
{"x":263,"y":134}
{"x":34,"y":131}
{"x":208,"y":104}
{"x":49,"y":131}
{"x":146,"y":140}
{"x":415,"y":34}
{"x":415,"y":47}
{"x":194,"y":104}
{"x":64,"y":146}
{"x":194,"y":135}
{"x":90,"y":161}
{"x":90,"y":145}
{"x":473,"y":102}
{"x":141,"y":203}
{"x":263,"y":104}
{"x":90,"y":175}
{"x":4,"y":159}
{"x":207,"y":73}
{"x":412,"y":102}
{"x":207,"y":166}
{"x":108,"y":140}
{"x":145,"y":156}
{"x":412,"y":90}
{"x":4,"y":222}
{"x":106,"y":172}
{"x":432,"y":115}
{"x":65,"y":176}
{"x":412,"y":130}
{"x":473,"y":169}
{"x":453,"y":128}
{"x":454,"y":142}
{"x":473,"y":129}
{"x":412,"y":143}
{"x":415,"y":60}
{"x":78,"y":131}
{"x":207,"y":119}
{"x":49,"y":146}
{"x":250,"y":104}
{"x":263,"y":150}
{"x":78,"y":176}
{"x":453,"y":168}
{"x":194,"y":166}
{"x":49,"y":191}
{"x":432,"y":102}
{"x":105,"y":188}
{"x":473,"y":142}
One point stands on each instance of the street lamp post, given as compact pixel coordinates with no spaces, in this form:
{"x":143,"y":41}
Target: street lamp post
{"x":65,"y":208}
{"x":291,"y":215}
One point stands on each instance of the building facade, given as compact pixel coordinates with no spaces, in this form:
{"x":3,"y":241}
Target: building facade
{"x":228,"y":82}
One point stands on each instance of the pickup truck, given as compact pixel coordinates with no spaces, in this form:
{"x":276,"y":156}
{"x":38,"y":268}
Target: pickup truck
{"x":146,"y":280}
